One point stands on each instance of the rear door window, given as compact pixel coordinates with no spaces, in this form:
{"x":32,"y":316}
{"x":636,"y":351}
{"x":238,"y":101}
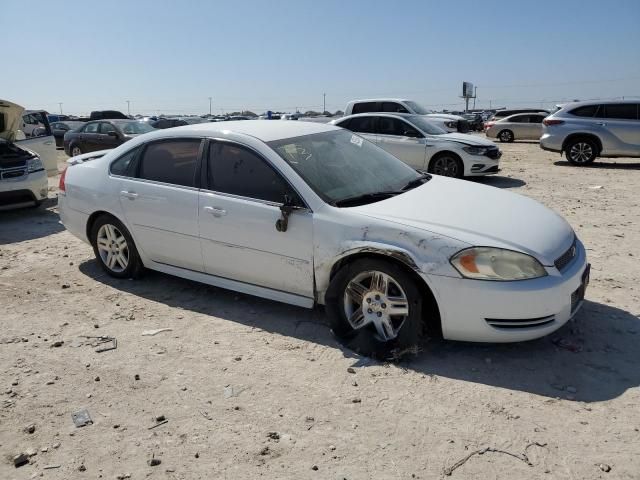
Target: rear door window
{"x":536,"y":118}
{"x":364,"y":107}
{"x":362,"y":124}
{"x":106,"y":127}
{"x":621,"y":111}
{"x":171,"y":162}
{"x":91,"y":128}
{"x":393,"y":107}
{"x":395,"y":126}
{"x":121,"y":165}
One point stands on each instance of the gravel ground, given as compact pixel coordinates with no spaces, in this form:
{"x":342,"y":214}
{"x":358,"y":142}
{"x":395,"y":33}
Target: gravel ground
{"x":251,"y":388}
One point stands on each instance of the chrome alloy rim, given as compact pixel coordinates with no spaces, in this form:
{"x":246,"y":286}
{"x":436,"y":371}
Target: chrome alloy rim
{"x":75,"y":151}
{"x":445,"y":166}
{"x":375,"y":298}
{"x":113,"y":248}
{"x":505,"y":136}
{"x":581,"y":152}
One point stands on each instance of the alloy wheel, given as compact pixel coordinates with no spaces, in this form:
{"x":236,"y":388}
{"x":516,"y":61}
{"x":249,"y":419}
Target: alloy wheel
{"x":376,"y":298}
{"x":75,"y":151}
{"x":505,"y":136}
{"x":113,"y":248}
{"x":581,"y":152}
{"x":446,"y":166}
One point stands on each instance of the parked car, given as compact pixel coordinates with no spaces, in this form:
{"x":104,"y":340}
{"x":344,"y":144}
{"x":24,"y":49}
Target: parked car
{"x":476,"y":121}
{"x":425,"y":146}
{"x":107,"y":115}
{"x":101,"y":135}
{"x":57,"y":118}
{"x":521,"y":126}
{"x":451,"y":123}
{"x":584,"y":131}
{"x":308,"y":213}
{"x":512,"y":111}
{"x":162,"y":123}
{"x":23,"y":178}
{"x":60,"y":128}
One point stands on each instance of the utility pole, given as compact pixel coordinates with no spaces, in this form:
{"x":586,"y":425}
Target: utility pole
{"x":324,"y":102}
{"x":475,"y":94}
{"x":210,"y":99}
{"x":128,"y":107}
{"x":60,"y":103}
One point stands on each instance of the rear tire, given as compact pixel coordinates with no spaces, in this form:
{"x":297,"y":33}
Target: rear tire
{"x":506,"y":136}
{"x":361,"y":301}
{"x":114,"y":248}
{"x":581,"y":151}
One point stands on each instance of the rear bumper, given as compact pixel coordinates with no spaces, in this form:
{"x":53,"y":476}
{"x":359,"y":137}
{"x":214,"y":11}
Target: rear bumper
{"x":23,"y":191}
{"x":74,"y":221}
{"x":550,"y":143}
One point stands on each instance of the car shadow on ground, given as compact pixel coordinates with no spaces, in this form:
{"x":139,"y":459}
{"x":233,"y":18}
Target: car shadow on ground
{"x":593,"y":358}
{"x":613,"y":165}
{"x":29,"y":223}
{"x":499,"y":181}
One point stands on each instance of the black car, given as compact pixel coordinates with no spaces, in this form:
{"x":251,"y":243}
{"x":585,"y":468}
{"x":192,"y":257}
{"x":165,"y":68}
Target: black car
{"x":102,"y":135}
{"x":107,"y":115}
{"x":167,"y":123}
{"x":60,"y":128}
{"x":476,"y":121}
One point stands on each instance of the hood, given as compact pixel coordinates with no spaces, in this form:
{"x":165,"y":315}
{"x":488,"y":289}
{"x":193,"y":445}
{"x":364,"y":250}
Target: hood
{"x":444,"y":116}
{"x":465,"y":139}
{"x":478,"y":215}
{"x":11,"y":118}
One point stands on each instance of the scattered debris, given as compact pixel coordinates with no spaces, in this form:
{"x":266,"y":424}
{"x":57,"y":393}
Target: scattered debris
{"x":50,"y":467}
{"x":596,"y":187}
{"x":356,"y":400}
{"x":351,"y":370}
{"x":136,"y":377}
{"x":160,"y":418}
{"x":81,"y":418}
{"x":82,"y":468}
{"x":273,"y":435}
{"x":265,"y":451}
{"x":604,"y":467}
{"x":231,"y":391}
{"x":154,"y":462}
{"x":314,"y":468}
{"x":20,"y":460}
{"x":522,"y":457}
{"x":29,"y":428}
{"x":57,"y":344}
{"x":158,"y":424}
{"x":123,"y":476}
{"x":150,"y":333}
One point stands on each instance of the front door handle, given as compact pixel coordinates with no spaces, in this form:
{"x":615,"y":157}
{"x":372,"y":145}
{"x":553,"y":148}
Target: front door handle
{"x":129,"y":195}
{"x":215,"y":211}
{"x":602,"y":124}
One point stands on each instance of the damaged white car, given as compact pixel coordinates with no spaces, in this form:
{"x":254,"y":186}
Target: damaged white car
{"x":23,"y":175}
{"x":306,"y":213}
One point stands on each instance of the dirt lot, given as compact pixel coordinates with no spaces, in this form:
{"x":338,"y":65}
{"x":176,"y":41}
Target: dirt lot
{"x":253,"y":388}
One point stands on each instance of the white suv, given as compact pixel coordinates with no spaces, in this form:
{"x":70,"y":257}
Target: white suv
{"x":584,"y":131}
{"x":23,"y":178}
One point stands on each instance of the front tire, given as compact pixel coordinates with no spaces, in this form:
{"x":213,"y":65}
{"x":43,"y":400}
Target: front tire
{"x":506,"y":136}
{"x":581,"y":151}
{"x":375,"y":308}
{"x":447,"y":165}
{"x":114,"y":248}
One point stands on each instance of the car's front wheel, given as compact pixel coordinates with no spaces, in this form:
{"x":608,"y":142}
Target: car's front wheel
{"x":375,"y":308}
{"x":114,"y":248}
{"x":506,"y":136}
{"x":581,"y":151}
{"x":447,"y":165}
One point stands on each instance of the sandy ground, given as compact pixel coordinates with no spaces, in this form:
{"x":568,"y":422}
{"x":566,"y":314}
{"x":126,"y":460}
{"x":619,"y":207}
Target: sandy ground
{"x":253,"y":388}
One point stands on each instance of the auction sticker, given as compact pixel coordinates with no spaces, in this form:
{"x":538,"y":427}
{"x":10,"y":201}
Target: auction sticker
{"x":356,"y":140}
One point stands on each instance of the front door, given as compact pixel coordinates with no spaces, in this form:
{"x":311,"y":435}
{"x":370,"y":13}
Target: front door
{"x":238,"y":211}
{"x":402,"y":141}
{"x":161,"y":203}
{"x":108,"y":136}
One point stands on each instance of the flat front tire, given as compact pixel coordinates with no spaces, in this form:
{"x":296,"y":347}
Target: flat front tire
{"x":114,"y":248}
{"x":375,"y":308}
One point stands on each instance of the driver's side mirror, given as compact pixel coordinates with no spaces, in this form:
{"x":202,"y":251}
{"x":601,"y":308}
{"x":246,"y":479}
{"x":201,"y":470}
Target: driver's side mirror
{"x":286,"y":209}
{"x":113,"y":133}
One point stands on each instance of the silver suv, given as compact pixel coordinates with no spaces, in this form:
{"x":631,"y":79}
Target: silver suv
{"x":587,"y":130}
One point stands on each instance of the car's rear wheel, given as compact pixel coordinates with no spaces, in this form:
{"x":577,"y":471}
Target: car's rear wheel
{"x":506,"y":136}
{"x":76,"y":150}
{"x":375,"y":308}
{"x":114,"y":248}
{"x":581,"y":151}
{"x":447,"y":165}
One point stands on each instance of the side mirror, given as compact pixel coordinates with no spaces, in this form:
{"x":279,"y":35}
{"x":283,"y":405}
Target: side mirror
{"x":113,"y":134}
{"x":286,"y":209}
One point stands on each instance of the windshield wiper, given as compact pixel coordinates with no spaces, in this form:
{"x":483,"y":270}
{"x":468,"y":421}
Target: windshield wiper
{"x":365,"y":198}
{"x":416,"y":182}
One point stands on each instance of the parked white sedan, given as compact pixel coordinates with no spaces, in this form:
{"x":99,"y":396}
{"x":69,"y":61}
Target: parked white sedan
{"x":419,"y":143}
{"x":309,"y":213}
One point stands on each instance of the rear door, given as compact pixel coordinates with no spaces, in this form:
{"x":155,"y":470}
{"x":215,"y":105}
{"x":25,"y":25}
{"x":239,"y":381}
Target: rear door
{"x":402,"y":140}
{"x":535,"y":126}
{"x":238,"y":213}
{"x":88,"y":138}
{"x":364,"y":126}
{"x":160,"y":202}
{"x":621,"y":120}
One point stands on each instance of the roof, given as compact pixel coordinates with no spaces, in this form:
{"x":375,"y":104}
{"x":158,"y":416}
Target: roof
{"x":264,"y":130}
{"x":381,"y":99}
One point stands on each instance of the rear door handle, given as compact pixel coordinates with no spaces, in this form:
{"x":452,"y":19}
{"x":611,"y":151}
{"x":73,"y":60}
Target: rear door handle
{"x":215,"y":211}
{"x":602,"y":124}
{"x":129,"y":195}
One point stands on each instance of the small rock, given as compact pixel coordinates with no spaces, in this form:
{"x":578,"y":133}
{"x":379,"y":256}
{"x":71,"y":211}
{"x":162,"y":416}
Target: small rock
{"x":356,"y":400}
{"x":14,"y":383}
{"x":237,"y":359}
{"x":154,"y":462}
{"x":315,"y":468}
{"x":351,"y":370}
{"x":160,"y":418}
{"x":170,"y":470}
{"x":30,"y":428}
{"x":265,"y":451}
{"x":116,"y":425}
{"x":604,"y":467}
{"x":31,"y":452}
{"x":65,"y":286}
{"x":273,"y":435}
{"x":332,"y":447}
{"x":82,"y":468}
{"x":197,"y":455}
{"x":136,"y":377}
{"x":57,"y":343}
{"x":20,"y":460}
{"x":44,"y":449}
{"x":97,"y":379}
{"x":95,"y":325}
{"x":123,"y":476}
{"x":56,"y":445}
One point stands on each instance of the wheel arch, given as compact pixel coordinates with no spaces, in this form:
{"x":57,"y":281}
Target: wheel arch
{"x":579,"y":135}
{"x":443,"y":153}
{"x":94,"y":216}
{"x":431,"y":311}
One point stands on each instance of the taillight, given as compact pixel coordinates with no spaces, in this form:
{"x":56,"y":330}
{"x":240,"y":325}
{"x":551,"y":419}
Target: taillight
{"x":61,"y":185}
{"x":551,"y":121}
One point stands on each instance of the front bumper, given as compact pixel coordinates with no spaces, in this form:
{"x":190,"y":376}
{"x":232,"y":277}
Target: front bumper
{"x":24,"y":190}
{"x":480,"y":165}
{"x":497,"y":312}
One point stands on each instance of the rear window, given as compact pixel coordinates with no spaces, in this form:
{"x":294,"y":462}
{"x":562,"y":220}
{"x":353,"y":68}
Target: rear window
{"x":621,"y":111}
{"x":362,"y":125}
{"x":393,"y":107}
{"x":121,"y":165}
{"x":364,"y":107}
{"x":171,"y":162}
{"x":585,"y":111}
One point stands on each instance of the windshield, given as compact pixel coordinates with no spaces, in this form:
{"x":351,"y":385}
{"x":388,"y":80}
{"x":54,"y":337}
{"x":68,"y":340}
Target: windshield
{"x":338,"y":165}
{"x":426,"y":125}
{"x":134,"y":128}
{"x":417,"y":108}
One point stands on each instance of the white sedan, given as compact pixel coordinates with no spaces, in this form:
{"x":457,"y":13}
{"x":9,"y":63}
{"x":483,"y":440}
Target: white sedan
{"x":419,"y":143}
{"x":309,"y":213}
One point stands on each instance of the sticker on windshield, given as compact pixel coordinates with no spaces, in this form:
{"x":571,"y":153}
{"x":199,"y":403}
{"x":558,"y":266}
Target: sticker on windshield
{"x":356,"y":140}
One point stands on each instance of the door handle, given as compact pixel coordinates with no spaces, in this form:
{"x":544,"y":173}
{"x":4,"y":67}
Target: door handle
{"x":602,"y":124}
{"x":129,"y":195}
{"x":215,"y":211}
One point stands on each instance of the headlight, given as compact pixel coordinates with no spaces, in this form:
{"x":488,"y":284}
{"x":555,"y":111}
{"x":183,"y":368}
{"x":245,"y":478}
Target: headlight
{"x":475,"y":150}
{"x":34,"y":165}
{"x":486,"y":263}
{"x":451,"y":124}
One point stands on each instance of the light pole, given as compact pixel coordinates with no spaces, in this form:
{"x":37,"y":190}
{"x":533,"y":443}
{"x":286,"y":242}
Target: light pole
{"x":324,"y":102}
{"x":60,"y":103}
{"x":210,"y":99}
{"x":128,"y":107}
